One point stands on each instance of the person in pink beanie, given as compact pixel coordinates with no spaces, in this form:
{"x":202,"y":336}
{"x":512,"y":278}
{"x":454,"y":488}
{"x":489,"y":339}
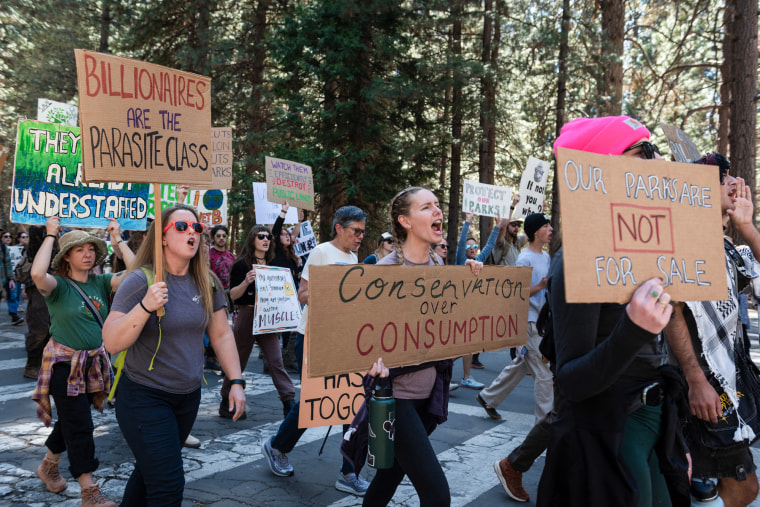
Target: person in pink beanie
{"x":608,"y":135}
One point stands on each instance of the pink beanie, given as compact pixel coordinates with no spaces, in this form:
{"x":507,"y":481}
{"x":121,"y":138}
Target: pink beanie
{"x":608,"y":135}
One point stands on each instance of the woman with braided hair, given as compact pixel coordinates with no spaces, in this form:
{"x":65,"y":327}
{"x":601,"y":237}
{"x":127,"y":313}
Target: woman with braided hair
{"x":421,"y":391}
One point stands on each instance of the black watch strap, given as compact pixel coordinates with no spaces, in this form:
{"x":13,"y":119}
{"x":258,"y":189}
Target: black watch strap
{"x":238,"y":381}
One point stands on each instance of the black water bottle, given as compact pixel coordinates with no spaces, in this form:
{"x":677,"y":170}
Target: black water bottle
{"x":382,"y":418}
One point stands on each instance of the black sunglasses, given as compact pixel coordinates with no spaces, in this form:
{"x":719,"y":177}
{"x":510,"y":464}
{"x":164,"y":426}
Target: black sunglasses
{"x":263,"y":235}
{"x":648,"y":148}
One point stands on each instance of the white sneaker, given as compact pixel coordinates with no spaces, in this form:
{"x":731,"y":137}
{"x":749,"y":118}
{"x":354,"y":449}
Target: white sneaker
{"x":352,"y":483}
{"x":453,"y":386}
{"x":471,"y":383}
{"x":192,"y":442}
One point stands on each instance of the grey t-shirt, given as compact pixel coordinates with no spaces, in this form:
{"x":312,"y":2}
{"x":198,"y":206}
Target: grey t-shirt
{"x":178,"y":365}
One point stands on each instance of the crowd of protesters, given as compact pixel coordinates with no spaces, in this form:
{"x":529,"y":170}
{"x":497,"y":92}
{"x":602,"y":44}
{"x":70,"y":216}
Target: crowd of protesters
{"x":635,"y":403}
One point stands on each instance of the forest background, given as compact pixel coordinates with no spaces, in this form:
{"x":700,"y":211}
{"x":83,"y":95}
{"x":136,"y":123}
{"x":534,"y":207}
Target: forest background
{"x":377,"y":95}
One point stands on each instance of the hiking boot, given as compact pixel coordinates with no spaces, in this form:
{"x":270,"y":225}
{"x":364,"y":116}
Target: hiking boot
{"x":471,"y":383}
{"x":50,"y":476}
{"x":277,"y":461}
{"x":352,"y":484}
{"x":31,"y":372}
{"x":192,"y":443}
{"x":492,"y":413}
{"x":511,"y":479}
{"x":477,"y":364}
{"x":224,"y":410}
{"x":93,"y":497}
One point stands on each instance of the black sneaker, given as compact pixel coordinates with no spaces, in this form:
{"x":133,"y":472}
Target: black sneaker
{"x":492,"y":413}
{"x":16,"y":320}
{"x":477,"y":364}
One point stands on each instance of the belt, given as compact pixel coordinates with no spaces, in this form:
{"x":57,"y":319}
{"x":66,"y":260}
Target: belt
{"x":653,"y":395}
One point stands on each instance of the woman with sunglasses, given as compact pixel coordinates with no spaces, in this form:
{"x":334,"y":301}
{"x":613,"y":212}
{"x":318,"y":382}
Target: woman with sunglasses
{"x":75,"y":366}
{"x":160,"y":387}
{"x":257,"y":250}
{"x":385,"y":245}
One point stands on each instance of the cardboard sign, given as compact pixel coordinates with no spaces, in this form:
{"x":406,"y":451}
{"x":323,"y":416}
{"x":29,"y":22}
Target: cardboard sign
{"x":143,"y":122}
{"x":15,"y":254}
{"x":532,"y":188}
{"x":47,"y":181}
{"x":681,"y":145}
{"x":221,"y":159}
{"x":289,"y":181}
{"x":57,"y":112}
{"x":326,"y":401}
{"x":411,"y":315}
{"x":277,"y":306}
{"x":210,"y":204}
{"x":486,"y":200}
{"x":4,"y":152}
{"x":306,"y":241}
{"x":267,"y":211}
{"x":626,"y":220}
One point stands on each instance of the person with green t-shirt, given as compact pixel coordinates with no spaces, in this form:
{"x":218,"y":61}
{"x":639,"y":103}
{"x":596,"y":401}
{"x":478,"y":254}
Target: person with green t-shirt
{"x":75,"y":366}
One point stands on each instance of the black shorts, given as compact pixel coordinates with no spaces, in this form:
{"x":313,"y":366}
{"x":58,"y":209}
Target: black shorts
{"x":734,"y":464}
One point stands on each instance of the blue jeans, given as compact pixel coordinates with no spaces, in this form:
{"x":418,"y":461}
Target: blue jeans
{"x":13,"y":298}
{"x":155,"y":424}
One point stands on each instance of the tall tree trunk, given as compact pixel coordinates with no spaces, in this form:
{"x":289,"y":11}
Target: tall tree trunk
{"x":456,"y":131}
{"x":486,"y":109}
{"x":105,"y":25}
{"x":560,"y":117}
{"x":613,"y":30}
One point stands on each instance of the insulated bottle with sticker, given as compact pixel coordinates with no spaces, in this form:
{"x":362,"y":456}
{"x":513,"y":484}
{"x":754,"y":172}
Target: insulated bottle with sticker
{"x":382,"y":417}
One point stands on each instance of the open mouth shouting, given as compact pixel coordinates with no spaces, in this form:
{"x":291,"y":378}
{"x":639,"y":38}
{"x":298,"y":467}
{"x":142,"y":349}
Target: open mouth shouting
{"x":437,"y":227}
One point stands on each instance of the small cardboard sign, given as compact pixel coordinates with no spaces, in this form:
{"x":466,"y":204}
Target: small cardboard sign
{"x":411,"y":315}
{"x":626,"y":220}
{"x":210,"y":204}
{"x":306,"y":241}
{"x":4,"y":152}
{"x":289,"y":181}
{"x":143,"y":122}
{"x":51,"y":111}
{"x":277,"y":306}
{"x":47,"y":181}
{"x":681,"y":145}
{"x":267,"y":211}
{"x":486,"y":200}
{"x":327,"y":401}
{"x":532,"y":188}
{"x":221,"y":159}
{"x":15,"y":254}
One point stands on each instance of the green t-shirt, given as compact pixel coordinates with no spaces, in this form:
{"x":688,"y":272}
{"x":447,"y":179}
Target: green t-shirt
{"x":71,"y":322}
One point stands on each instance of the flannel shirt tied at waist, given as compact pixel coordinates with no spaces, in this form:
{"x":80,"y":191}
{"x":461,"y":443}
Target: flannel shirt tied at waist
{"x":96,"y":382}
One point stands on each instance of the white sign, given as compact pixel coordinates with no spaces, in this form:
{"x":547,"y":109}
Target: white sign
{"x":15,"y":255}
{"x":306,"y":241}
{"x":267,"y":212}
{"x":532,"y":188}
{"x":57,"y":112}
{"x":486,"y":200}
{"x":277,"y":307}
{"x":211,"y":206}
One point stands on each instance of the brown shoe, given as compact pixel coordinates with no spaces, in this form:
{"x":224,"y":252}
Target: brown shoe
{"x":511,"y":479}
{"x":50,"y":476}
{"x":31,"y":372}
{"x":92,"y":497}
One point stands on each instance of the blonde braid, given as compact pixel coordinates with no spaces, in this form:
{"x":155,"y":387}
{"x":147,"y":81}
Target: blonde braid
{"x":399,"y":253}
{"x":434,"y":256}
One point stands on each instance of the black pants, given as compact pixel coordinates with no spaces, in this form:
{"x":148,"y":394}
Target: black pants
{"x":415,"y":457}
{"x":73,"y":430}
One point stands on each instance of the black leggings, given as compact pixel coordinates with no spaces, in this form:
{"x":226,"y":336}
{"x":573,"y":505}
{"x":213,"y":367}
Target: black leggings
{"x":415,"y":457}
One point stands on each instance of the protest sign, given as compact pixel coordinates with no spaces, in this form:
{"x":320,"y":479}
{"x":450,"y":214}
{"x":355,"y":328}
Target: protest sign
{"x":326,"y":401}
{"x":47,"y":181}
{"x":267,"y":211}
{"x":532,"y":188}
{"x":51,"y":111}
{"x":626,"y":220}
{"x":681,"y":145}
{"x":410,"y":315}
{"x":221,"y":159}
{"x":168,"y":198}
{"x":143,"y":122}
{"x":486,"y":200}
{"x":4,"y":152}
{"x":277,"y":307}
{"x":15,"y":255}
{"x":289,"y":181}
{"x":210,"y":204}
{"x":306,"y":241}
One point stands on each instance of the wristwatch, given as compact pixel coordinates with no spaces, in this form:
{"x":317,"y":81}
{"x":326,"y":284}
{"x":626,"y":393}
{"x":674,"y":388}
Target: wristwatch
{"x":238,"y":381}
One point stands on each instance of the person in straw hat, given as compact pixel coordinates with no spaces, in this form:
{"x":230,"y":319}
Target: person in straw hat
{"x":75,"y":366}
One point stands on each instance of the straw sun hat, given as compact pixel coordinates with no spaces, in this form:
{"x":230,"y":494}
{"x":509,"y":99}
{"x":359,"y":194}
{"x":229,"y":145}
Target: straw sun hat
{"x":76,"y":238}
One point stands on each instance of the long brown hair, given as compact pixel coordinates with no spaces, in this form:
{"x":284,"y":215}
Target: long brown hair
{"x":199,"y":264}
{"x":400,"y":206}
{"x":248,"y":252}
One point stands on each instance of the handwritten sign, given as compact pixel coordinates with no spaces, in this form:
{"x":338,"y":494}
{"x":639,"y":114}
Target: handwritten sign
{"x":681,"y":145}
{"x":168,"y":198}
{"x":532,"y":188}
{"x":306,"y":241}
{"x":4,"y":152}
{"x":277,"y":307}
{"x":410,"y":315}
{"x":51,"y":111}
{"x":625,"y":220}
{"x":267,"y":211}
{"x":486,"y":200}
{"x":291,"y":182}
{"x":143,"y":122}
{"x":16,"y":254}
{"x":326,"y":401}
{"x":210,"y":204}
{"x":221,"y":159}
{"x":47,"y":181}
